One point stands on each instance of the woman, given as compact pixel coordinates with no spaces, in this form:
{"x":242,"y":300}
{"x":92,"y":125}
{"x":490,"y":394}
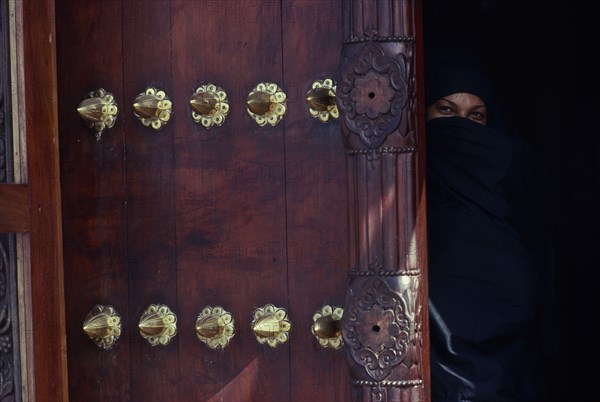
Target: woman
{"x":487,"y":281}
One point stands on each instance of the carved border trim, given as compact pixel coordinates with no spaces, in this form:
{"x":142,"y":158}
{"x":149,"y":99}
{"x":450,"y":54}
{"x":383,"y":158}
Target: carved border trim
{"x":363,"y":39}
{"x":381,"y":151}
{"x":9,"y":341}
{"x":396,"y":384}
{"x":399,"y":272}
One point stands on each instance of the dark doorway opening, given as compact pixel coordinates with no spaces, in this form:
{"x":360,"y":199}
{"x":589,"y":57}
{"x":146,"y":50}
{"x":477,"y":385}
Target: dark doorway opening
{"x":539,"y":54}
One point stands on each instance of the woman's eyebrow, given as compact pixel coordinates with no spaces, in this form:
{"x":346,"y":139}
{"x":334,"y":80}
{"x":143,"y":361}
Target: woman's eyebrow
{"x":449,"y":101}
{"x":454,"y":104}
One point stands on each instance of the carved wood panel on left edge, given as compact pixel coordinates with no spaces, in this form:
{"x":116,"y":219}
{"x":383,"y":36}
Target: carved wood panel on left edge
{"x":10,"y":373}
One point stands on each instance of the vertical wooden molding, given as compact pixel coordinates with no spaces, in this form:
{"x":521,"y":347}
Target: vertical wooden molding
{"x":379,"y":96}
{"x":46,"y":285}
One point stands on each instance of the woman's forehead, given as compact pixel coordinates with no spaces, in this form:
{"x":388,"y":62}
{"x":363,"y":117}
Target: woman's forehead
{"x":464,"y":98}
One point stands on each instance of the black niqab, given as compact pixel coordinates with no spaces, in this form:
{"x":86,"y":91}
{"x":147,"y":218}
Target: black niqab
{"x":450,"y":71}
{"x":485,"y":228}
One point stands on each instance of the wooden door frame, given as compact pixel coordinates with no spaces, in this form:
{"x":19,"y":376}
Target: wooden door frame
{"x":385,"y":148}
{"x":32,"y":207}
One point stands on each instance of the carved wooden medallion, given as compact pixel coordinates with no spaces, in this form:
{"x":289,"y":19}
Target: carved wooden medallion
{"x":376,"y":328}
{"x":372,"y":93}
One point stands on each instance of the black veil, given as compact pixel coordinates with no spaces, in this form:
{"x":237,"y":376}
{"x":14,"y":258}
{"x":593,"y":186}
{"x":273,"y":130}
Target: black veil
{"x":490,"y":280}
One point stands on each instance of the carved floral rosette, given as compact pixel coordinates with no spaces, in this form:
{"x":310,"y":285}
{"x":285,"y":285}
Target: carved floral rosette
{"x":376,"y":328}
{"x":372,"y":94}
{"x":8,"y":348}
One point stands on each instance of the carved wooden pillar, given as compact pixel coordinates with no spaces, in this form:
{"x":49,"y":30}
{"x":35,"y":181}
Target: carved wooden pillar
{"x":379,"y":96}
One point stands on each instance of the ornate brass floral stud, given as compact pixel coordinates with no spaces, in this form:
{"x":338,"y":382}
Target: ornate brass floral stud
{"x":327,"y":326}
{"x":271,"y":325}
{"x":215,"y":327}
{"x":158,"y":325}
{"x":153,"y":108}
{"x":266,"y":104}
{"x":103,"y":326}
{"x":209,"y":105}
{"x":99,"y":111}
{"x":321,"y":100}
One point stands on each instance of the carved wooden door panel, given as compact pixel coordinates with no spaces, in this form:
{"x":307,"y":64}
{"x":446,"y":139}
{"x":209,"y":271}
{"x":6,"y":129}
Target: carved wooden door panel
{"x":238,"y":216}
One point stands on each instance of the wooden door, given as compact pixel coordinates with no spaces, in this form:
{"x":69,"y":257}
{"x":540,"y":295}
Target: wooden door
{"x":238,"y":216}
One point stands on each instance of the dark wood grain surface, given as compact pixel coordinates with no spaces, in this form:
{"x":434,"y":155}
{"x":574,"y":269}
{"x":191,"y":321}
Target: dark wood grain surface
{"x":316,"y":200}
{"x":151,"y":212}
{"x":89,"y":53}
{"x":230,"y":212}
{"x":237,"y":216}
{"x":46,"y":260}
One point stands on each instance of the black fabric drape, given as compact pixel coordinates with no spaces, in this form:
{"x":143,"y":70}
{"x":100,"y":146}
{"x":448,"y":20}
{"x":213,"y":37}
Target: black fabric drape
{"x":488,"y":275}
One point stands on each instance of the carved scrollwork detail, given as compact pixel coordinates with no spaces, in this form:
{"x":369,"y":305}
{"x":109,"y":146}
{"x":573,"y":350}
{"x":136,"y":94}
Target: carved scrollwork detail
{"x":7,"y":381}
{"x":7,"y":384}
{"x":2,"y":161}
{"x":373,"y":91}
{"x":2,"y":141}
{"x":376,"y":328}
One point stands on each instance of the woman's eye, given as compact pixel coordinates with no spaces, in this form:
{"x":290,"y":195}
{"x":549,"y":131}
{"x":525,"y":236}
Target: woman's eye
{"x":445,"y":109}
{"x":478,"y":115}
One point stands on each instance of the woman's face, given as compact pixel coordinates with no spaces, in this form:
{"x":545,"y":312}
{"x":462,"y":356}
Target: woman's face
{"x":460,"y":104}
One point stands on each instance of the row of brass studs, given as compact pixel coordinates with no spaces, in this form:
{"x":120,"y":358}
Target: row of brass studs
{"x":266,"y":104}
{"x":215,"y":326}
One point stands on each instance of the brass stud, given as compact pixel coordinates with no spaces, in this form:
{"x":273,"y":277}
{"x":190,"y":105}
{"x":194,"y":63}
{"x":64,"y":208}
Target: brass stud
{"x":266,"y":103}
{"x":99,"y":111}
{"x":158,"y":325}
{"x":271,"y":325}
{"x":209,"y":105}
{"x":103,"y":326}
{"x":153,"y":108}
{"x":215,"y":327}
{"x":327,"y":326}
{"x":321,"y":100}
